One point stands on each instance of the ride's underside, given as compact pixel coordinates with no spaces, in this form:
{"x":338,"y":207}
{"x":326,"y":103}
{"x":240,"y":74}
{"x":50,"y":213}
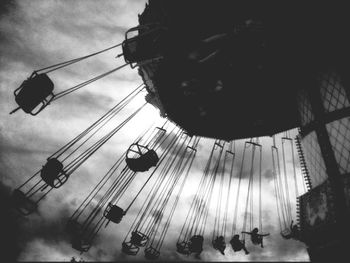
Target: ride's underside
{"x":232,"y":69}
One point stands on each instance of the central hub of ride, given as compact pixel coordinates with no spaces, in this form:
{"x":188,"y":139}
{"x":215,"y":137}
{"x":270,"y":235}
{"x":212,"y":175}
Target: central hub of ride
{"x":229,"y":70}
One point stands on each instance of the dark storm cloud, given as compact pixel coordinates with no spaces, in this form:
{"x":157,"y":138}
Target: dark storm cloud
{"x":18,"y":231}
{"x":51,"y":231}
{"x":6,"y":6}
{"x":40,"y":231}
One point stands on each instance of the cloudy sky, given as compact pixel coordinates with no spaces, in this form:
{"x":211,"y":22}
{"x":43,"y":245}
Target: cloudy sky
{"x":38,"y":33}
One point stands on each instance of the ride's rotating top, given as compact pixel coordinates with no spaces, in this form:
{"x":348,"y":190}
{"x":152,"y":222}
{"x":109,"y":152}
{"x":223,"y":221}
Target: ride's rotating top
{"x":229,"y":69}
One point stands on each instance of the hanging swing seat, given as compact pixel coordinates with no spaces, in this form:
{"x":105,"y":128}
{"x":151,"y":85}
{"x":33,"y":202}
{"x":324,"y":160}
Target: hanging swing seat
{"x":75,"y":231}
{"x":52,"y":173}
{"x":145,"y":46}
{"x":144,"y":159}
{"x":22,"y":203}
{"x":286,"y":233}
{"x":139,"y":239}
{"x":129,"y":248}
{"x":219,"y":244}
{"x":113,"y":213}
{"x":36,"y":90}
{"x":80,"y":244}
{"x":182,"y":248}
{"x":151,"y":253}
{"x":196,"y":244}
{"x":292,"y":232}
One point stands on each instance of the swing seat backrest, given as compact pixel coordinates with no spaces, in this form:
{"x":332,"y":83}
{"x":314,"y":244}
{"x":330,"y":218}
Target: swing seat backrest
{"x":134,"y":165}
{"x":196,"y":244}
{"x":144,"y":162}
{"x":23,"y":204}
{"x":150,"y":158}
{"x":182,"y":248}
{"x":151,"y":253}
{"x":52,"y":173}
{"x":114,"y":213}
{"x":139,"y":239}
{"x":80,"y":244}
{"x":286,"y":233}
{"x":129,"y":248}
{"x":33,"y":92}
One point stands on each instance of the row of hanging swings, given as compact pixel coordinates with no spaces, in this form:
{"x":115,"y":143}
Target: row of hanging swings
{"x":119,"y":185}
{"x":145,"y":228}
{"x":35,"y":93}
{"x":256,"y":234}
{"x":283,"y":195}
{"x":87,"y":220}
{"x":191,"y":239}
{"x":220,"y":223}
{"x":219,"y":231}
{"x":67,"y":159}
{"x":236,"y":242}
{"x":156,"y":244}
{"x":139,"y":236}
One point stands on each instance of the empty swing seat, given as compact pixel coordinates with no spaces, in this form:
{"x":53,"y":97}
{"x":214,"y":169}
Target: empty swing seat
{"x":144,"y":162}
{"x":80,"y":244}
{"x":113,"y":213}
{"x":52,"y":173}
{"x":129,"y":248}
{"x":34,"y":91}
{"x":151,"y":253}
{"x":142,"y":47}
{"x":286,"y":233}
{"x":139,"y":239}
{"x":182,"y":248}
{"x":23,"y":204}
{"x":196,"y":244}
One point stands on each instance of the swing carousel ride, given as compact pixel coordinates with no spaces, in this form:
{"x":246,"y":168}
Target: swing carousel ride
{"x":266,"y":72}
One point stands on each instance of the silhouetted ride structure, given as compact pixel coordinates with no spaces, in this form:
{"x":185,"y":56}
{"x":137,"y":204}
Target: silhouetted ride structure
{"x":227,"y":70}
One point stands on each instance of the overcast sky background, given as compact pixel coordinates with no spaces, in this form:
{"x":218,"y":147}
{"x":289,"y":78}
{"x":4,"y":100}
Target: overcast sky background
{"x":38,"y":33}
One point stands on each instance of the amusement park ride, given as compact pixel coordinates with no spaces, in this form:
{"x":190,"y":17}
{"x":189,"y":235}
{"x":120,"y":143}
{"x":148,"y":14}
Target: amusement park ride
{"x":267,"y":66}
